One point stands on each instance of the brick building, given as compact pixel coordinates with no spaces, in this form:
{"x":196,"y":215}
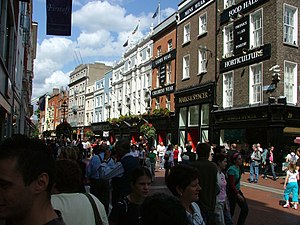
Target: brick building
{"x":195,"y":70}
{"x":258,"y":42}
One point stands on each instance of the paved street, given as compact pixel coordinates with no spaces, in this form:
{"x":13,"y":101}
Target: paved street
{"x":263,"y":200}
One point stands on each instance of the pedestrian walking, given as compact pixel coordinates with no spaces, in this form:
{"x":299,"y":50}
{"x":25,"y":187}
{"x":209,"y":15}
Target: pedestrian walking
{"x":255,"y":161}
{"x":127,"y":210}
{"x":161,"y":149}
{"x":222,"y":209}
{"x":235,"y":194}
{"x":291,"y":186}
{"x":27,"y":177}
{"x":270,"y":164}
{"x":183,"y":182}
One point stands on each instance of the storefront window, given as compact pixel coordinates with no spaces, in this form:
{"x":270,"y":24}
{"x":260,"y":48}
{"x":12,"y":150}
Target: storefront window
{"x":204,"y":135}
{"x":205,"y":114}
{"x":182,"y":138}
{"x":182,"y":117}
{"x":194,"y":115}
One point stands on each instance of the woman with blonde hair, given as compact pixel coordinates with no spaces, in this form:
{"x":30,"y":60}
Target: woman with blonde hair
{"x":291,"y":186}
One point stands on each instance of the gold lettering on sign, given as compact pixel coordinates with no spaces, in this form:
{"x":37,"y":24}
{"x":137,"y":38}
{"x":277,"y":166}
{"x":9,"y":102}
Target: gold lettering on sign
{"x":194,"y":97}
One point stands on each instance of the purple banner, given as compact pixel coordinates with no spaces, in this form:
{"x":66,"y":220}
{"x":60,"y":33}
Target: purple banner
{"x":59,"y":17}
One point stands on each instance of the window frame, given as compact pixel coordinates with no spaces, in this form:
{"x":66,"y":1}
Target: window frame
{"x":253,"y":32}
{"x":226,"y":52}
{"x":202,"y":60}
{"x":185,"y":67}
{"x":229,"y":103}
{"x":295,"y":25}
{"x":201,"y":24}
{"x":253,"y":85}
{"x":228,"y":3}
{"x":293,"y":83}
{"x":186,"y":33}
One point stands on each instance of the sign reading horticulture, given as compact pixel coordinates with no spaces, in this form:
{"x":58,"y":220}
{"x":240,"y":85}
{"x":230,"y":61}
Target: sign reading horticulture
{"x":241,"y":35}
{"x":242,"y":7}
{"x":251,"y":57}
{"x":189,"y":11}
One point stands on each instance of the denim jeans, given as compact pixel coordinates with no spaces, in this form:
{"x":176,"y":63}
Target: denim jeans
{"x":254,"y":169}
{"x":267,"y":167}
{"x":233,"y":200}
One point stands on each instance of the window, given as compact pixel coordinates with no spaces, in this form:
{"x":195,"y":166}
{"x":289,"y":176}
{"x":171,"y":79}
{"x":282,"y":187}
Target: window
{"x":194,"y":115}
{"x":168,"y":102}
{"x":228,"y":89}
{"x":157,"y":102}
{"x":256,"y":29}
{"x":186,"y":67}
{"x":290,"y":79}
{"x":228,"y":3}
{"x":290,"y":24}
{"x":182,"y":117}
{"x":186,"y":33}
{"x":255,"y":82}
{"x":202,"y":24}
{"x":205,"y":115}
{"x":170,"y":45}
{"x":159,"y":51}
{"x":202,"y":61}
{"x":228,"y":40}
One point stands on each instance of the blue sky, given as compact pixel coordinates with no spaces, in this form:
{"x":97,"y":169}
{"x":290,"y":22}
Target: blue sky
{"x":99,"y":30}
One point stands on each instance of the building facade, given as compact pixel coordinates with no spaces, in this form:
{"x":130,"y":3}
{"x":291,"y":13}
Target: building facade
{"x":164,"y":78}
{"x":258,"y":85}
{"x":82,"y":77}
{"x":196,"y":65}
{"x":17,"y":50}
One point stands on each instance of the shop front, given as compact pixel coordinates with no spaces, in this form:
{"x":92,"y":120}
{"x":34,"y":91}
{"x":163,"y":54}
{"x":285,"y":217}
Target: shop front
{"x":193,"y":119}
{"x":275,"y":125}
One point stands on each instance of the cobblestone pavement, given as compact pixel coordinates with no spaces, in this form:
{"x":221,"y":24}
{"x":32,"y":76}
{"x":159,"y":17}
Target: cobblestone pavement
{"x":263,"y":199}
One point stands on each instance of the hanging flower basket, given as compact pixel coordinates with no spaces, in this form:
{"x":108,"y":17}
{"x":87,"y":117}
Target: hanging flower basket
{"x":148,"y":130}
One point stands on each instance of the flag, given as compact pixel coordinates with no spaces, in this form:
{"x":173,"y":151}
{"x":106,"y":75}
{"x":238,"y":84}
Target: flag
{"x":135,"y":30}
{"x":58,"y":17}
{"x":156,"y":12}
{"x":125,"y":44}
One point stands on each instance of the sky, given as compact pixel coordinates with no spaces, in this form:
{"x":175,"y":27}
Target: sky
{"x":99,"y":30}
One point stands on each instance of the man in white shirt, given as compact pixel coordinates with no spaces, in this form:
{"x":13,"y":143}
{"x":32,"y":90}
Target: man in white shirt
{"x":161,"y":149}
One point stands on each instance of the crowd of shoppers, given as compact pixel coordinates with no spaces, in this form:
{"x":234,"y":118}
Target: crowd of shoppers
{"x":110,"y":182}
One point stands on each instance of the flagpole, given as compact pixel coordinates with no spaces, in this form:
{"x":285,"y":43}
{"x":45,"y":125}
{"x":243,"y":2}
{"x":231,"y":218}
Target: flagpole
{"x":158,"y":12}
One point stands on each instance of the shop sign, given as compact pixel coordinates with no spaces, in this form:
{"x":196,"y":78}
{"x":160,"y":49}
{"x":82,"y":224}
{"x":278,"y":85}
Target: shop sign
{"x":163,"y":91}
{"x":241,"y":35}
{"x":193,"y":97}
{"x":162,"y":75}
{"x":99,"y":127}
{"x":164,"y":59}
{"x":198,"y":5}
{"x":253,"y":56}
{"x":241,"y":8}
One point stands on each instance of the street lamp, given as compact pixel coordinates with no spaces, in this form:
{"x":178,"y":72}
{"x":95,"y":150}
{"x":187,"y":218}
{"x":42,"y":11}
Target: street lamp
{"x":64,"y":106}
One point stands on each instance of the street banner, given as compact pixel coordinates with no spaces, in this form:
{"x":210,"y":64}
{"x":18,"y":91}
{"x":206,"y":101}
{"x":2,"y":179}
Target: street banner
{"x":59,"y":17}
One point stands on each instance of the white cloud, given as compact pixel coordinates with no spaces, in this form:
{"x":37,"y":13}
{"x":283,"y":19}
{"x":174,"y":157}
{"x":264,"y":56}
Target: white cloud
{"x":99,"y":30}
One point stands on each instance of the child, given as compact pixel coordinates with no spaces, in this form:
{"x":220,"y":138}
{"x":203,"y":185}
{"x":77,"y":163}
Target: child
{"x":291,"y":185}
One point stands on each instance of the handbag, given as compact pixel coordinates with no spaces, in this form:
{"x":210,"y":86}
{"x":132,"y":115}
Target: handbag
{"x":98,"y":220}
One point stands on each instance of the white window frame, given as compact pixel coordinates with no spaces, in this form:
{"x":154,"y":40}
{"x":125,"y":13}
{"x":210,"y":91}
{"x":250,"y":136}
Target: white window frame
{"x":170,"y":45}
{"x":203,"y":23}
{"x":168,"y":72}
{"x":186,"y":33}
{"x":202,"y":61}
{"x":228,"y":44}
{"x":228,"y":3}
{"x":292,"y":38}
{"x":255,"y":84}
{"x":168,"y":102}
{"x":256,"y":32}
{"x":228,"y":89}
{"x":186,"y":67}
{"x":290,"y":82}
